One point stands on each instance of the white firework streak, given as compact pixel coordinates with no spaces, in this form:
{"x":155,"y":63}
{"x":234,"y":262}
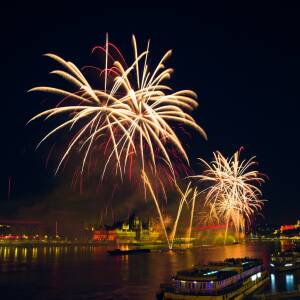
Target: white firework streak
{"x":130,"y":115}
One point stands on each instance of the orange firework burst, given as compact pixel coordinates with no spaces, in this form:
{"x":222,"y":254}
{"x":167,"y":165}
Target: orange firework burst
{"x":232,"y":194}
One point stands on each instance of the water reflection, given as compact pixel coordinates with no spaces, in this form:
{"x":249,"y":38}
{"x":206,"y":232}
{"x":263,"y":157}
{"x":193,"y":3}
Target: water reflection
{"x":16,"y":253}
{"x":273,"y":283}
{"x":289,"y":282}
{"x":97,"y":275}
{"x":24,"y":254}
{"x":34,"y":253}
{"x":286,"y":245}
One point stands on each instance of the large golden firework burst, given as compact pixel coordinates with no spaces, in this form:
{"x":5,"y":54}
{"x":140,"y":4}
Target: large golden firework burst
{"x":132,"y":115}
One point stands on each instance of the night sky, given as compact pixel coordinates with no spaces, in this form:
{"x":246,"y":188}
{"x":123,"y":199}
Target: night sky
{"x":243,"y":62}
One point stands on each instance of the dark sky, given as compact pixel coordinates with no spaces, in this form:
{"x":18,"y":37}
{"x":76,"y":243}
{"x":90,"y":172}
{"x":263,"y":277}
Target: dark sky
{"x":243,"y":62}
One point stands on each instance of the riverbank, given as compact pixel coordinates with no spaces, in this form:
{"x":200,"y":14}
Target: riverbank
{"x":61,"y":271}
{"x":115,"y":244}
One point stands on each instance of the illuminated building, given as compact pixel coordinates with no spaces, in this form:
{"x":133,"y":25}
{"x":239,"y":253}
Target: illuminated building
{"x":284,"y":228}
{"x":131,"y":230}
{"x":104,"y":235}
{"x":289,"y":230}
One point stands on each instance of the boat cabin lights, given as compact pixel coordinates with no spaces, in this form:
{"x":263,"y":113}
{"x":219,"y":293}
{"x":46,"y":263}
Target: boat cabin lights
{"x":288,"y":265}
{"x":210,"y":273}
{"x":253,"y":277}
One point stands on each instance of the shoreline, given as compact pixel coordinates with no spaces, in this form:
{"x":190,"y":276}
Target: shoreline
{"x":120,"y":244}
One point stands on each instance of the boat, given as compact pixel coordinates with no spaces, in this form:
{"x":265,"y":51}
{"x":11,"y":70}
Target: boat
{"x":229,"y":279}
{"x":285,"y":260}
{"x":128,"y":252}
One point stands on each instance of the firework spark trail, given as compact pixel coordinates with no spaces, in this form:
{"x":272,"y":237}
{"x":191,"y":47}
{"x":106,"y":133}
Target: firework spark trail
{"x":232,"y":194}
{"x":166,"y":220}
{"x":48,"y":156}
{"x":208,"y":215}
{"x":132,"y":120}
{"x":131,"y":114}
{"x":9,"y":187}
{"x":194,"y":197}
{"x":147,"y":182}
{"x":183,"y":200}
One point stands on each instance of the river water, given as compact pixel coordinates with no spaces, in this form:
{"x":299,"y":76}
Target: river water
{"x":87,"y":272}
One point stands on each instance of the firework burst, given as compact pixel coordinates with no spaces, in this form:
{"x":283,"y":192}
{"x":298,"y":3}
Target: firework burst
{"x":131,"y":113}
{"x":233,"y":194}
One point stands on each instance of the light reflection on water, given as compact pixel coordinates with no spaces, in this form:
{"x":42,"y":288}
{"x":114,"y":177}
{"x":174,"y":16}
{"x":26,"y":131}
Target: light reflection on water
{"x":273,"y":284}
{"x":84,"y":272}
{"x":289,"y":282}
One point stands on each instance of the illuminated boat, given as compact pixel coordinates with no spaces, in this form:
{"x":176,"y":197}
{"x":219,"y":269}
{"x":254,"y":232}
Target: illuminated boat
{"x":285,"y":260}
{"x":128,"y":252}
{"x":229,"y":279}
